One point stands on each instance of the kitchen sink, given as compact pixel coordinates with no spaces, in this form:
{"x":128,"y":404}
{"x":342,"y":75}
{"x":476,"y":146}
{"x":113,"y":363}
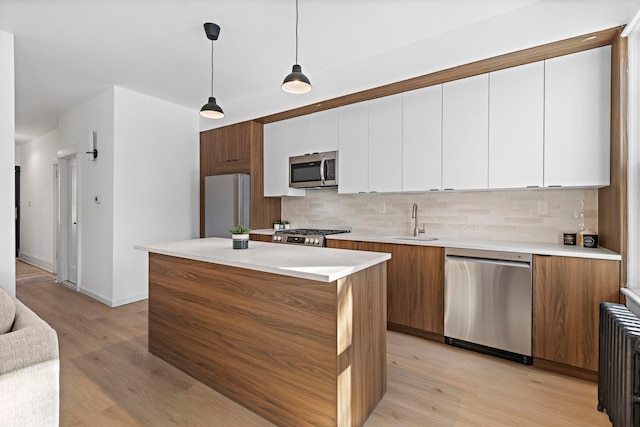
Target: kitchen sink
{"x":415,"y":238}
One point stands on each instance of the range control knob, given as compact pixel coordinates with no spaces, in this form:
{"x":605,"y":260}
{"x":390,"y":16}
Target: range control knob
{"x":316,"y":241}
{"x":307,"y":240}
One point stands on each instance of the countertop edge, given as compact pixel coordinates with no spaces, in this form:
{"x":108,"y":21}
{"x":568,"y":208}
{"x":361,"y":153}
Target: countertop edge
{"x":492,"y":245}
{"x":165,"y":249}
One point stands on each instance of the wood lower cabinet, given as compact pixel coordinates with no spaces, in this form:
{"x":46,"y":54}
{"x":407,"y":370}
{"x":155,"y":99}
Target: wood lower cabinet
{"x":415,"y":286}
{"x":260,"y":237}
{"x":567,"y":293}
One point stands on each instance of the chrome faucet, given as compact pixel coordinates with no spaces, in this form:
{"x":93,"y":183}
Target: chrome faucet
{"x":414,"y":215}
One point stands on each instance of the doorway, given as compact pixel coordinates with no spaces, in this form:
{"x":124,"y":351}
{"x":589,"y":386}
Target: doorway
{"x":68,"y":221}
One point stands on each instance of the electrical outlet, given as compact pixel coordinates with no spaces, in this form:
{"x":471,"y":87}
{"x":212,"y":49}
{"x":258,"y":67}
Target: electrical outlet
{"x":543,"y":208}
{"x":382,"y":208}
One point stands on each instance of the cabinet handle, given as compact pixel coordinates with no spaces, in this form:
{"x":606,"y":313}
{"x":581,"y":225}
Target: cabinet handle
{"x":554,"y":186}
{"x":533,"y":186}
{"x":448,"y":189}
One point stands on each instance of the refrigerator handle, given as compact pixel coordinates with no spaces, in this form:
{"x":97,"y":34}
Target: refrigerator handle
{"x":240,"y":201}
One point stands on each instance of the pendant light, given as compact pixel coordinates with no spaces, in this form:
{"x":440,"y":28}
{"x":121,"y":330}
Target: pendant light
{"x":211,"y":109}
{"x":296,"y":82}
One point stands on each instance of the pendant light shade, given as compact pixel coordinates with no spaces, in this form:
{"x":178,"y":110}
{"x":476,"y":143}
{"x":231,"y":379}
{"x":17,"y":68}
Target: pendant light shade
{"x":211,"y":109}
{"x":296,"y":82}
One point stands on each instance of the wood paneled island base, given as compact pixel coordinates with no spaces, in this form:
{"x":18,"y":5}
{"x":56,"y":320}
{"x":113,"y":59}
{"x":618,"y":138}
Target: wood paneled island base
{"x":295,"y":351}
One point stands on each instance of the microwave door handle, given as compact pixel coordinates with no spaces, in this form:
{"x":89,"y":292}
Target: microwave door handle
{"x":322,"y":163}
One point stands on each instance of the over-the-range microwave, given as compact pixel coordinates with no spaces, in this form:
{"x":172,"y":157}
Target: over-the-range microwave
{"x":317,"y":170}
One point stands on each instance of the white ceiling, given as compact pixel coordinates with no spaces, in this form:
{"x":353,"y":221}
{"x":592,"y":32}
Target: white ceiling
{"x":67,"y":51}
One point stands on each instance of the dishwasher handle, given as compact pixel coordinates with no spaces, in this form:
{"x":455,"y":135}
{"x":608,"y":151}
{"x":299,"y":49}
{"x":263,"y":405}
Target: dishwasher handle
{"x":519,"y":264}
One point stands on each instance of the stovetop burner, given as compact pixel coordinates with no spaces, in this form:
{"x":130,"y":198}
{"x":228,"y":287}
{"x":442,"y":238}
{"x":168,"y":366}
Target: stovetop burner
{"x":305,"y":236}
{"x":312,"y":231}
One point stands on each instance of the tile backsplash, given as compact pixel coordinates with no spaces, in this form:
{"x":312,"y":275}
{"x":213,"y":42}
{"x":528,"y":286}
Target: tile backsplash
{"x":540,"y":215}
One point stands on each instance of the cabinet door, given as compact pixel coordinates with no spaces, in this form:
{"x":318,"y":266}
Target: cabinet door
{"x":299,"y":137}
{"x":353,"y":138}
{"x":324,"y":131}
{"x":385,"y":144}
{"x":415,"y":284}
{"x":567,"y":293}
{"x":276,"y":161}
{"x":422,"y":139}
{"x":465,"y":130}
{"x":577,"y":116}
{"x":516,"y":126}
{"x":229,"y":149}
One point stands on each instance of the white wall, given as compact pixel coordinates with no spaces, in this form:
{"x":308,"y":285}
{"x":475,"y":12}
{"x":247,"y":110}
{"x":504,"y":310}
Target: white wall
{"x":537,"y":23}
{"x":7,"y":159}
{"x":156,"y":183}
{"x":95,"y":221}
{"x":37,"y":204}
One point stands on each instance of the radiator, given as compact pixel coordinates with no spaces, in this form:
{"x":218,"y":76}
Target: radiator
{"x":619,"y":365}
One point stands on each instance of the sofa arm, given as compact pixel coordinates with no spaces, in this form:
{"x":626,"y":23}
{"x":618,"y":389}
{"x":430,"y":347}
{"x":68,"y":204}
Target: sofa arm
{"x":30,"y":341}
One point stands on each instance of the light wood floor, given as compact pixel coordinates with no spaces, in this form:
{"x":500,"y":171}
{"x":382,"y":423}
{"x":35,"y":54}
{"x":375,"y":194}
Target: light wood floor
{"x":109,"y":379}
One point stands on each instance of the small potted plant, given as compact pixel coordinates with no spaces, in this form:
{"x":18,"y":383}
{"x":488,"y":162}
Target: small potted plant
{"x":277,"y":225}
{"x":286,"y":224}
{"x":240,"y":237}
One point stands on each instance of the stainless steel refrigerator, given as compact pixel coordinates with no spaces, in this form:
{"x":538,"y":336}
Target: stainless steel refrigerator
{"x":226,"y":203}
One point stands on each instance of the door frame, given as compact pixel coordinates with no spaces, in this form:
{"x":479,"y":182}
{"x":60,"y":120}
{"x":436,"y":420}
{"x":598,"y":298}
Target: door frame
{"x":17,"y":209}
{"x":61,"y":230}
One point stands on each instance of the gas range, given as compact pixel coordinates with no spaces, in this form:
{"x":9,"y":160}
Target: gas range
{"x":304,"y":236}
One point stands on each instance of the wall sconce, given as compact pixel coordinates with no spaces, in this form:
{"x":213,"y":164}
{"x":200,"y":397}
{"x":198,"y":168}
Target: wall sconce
{"x":93,"y":151}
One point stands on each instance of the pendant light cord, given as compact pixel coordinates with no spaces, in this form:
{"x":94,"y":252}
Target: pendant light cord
{"x":212,"y":68}
{"x":296,"y":31}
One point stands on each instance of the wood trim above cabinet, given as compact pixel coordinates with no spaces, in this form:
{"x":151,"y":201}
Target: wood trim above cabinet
{"x":612,"y":200}
{"x":513,"y":59}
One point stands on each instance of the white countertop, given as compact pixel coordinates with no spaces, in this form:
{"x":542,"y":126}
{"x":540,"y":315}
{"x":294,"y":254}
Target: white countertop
{"x":321,"y":264}
{"x":492,"y":245}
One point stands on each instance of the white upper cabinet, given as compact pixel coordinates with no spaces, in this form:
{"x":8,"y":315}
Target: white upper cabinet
{"x":516,"y":126}
{"x":353,"y":155}
{"x":385,"y":144}
{"x":577,"y":119}
{"x":299,"y":137}
{"x":465,"y":131}
{"x":324,"y":125}
{"x":422,"y":139}
{"x":276,"y":161}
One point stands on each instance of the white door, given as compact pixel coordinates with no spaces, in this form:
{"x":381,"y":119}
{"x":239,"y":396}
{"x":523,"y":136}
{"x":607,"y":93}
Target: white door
{"x":516,"y":126}
{"x":577,"y":90}
{"x":422,"y":139}
{"x":353,"y":140}
{"x":72,"y":221}
{"x":465,"y":133}
{"x":385,"y":144}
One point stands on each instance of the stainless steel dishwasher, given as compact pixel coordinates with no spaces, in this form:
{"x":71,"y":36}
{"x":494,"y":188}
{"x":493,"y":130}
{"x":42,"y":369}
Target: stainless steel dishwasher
{"x":488,"y":302}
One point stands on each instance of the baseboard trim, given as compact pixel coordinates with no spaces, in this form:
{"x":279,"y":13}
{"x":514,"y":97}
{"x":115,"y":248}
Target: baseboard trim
{"x":561,"y":368}
{"x":432,"y":336}
{"x":129,"y":300}
{"x":36,"y":262}
{"x":115,"y":303}
{"x":95,"y":296}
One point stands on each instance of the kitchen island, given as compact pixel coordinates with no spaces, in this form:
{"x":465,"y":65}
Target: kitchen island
{"x":296,"y":334}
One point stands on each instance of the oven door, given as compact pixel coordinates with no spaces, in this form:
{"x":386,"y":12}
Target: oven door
{"x":314,"y":170}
